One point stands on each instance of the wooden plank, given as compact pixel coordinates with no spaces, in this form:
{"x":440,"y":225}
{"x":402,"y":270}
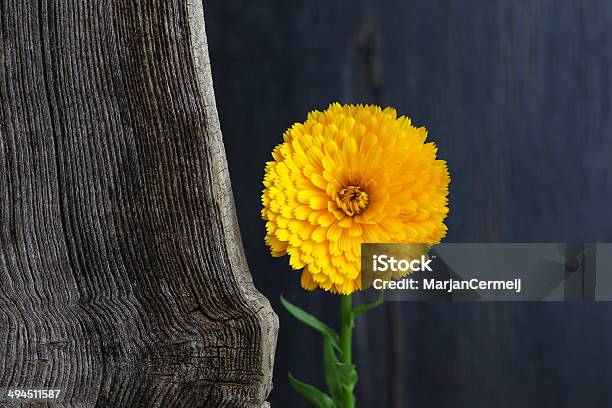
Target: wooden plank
{"x":122,"y":275}
{"x":517,"y":95}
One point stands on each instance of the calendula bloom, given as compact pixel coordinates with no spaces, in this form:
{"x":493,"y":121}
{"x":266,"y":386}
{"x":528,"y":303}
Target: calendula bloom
{"x":348,"y":175}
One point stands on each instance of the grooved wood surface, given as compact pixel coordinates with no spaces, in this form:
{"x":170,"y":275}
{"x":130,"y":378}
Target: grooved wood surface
{"x":122,"y":275}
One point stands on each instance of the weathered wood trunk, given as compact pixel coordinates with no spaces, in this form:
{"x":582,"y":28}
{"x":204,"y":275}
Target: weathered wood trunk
{"x":122,"y":275}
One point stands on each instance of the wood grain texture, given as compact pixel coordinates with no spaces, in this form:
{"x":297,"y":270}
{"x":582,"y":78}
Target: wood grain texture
{"x":122,"y":274}
{"x":517,"y":94}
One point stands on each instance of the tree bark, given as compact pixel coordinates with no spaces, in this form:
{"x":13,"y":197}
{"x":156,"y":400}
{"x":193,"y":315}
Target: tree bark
{"x":123,"y":280}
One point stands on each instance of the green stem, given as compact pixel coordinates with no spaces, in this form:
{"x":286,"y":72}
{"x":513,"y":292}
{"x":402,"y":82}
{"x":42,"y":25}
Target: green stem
{"x":346,"y":342}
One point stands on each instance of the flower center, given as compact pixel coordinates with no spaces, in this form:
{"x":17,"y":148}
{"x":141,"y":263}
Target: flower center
{"x":353,"y":200}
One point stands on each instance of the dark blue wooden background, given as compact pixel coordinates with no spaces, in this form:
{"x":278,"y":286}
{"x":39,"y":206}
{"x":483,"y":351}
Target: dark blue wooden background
{"x":518,"y":96}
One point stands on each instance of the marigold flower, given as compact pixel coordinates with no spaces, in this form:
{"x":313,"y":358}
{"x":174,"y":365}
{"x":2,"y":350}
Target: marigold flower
{"x":348,"y":175}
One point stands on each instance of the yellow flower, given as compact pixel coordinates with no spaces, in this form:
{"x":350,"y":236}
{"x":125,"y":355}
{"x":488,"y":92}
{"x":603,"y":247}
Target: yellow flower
{"x":348,"y":175}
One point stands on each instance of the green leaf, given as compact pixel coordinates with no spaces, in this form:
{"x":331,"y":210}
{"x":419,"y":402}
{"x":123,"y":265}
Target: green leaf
{"x":311,"y":321}
{"x":315,"y":396}
{"x":368,"y":306}
{"x":340,"y":378}
{"x":330,"y":361}
{"x":347,"y":374}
